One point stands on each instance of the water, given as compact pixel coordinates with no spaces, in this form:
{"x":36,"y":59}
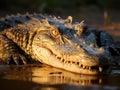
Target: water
{"x":42,"y":77}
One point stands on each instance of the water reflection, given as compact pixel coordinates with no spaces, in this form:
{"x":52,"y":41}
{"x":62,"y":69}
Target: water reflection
{"x":49,"y":78}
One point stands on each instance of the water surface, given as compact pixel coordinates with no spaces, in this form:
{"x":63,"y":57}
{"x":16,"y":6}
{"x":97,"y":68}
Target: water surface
{"x":43,"y":77}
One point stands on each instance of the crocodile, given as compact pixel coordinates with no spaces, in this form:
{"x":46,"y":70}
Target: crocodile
{"x":51,"y":40}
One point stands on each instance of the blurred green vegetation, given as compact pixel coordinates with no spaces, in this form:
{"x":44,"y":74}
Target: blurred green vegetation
{"x":56,"y":5}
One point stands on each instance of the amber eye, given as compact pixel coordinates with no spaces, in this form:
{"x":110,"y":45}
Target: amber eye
{"x":55,"y":32}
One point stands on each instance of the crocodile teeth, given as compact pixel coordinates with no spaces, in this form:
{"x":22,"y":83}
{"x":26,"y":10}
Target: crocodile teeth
{"x":89,"y":68}
{"x":84,"y":67}
{"x":79,"y":65}
{"x":100,"y":69}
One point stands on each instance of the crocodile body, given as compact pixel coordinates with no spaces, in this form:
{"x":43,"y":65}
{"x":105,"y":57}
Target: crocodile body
{"x":57,"y":42}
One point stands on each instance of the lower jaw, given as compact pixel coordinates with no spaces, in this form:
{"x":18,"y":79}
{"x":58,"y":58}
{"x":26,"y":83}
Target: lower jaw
{"x":87,"y":72}
{"x":77,"y":70}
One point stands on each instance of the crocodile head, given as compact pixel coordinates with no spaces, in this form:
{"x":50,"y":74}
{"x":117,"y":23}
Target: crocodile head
{"x":70,"y":49}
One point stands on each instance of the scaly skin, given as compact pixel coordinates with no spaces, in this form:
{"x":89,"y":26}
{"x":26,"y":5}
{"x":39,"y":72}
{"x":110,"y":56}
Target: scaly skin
{"x":56,"y":42}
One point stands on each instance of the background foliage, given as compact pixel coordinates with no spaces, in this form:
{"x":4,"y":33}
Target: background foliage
{"x":56,"y":5}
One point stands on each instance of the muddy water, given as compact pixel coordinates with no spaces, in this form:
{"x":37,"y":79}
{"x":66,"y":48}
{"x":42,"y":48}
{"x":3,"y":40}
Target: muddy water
{"x":42,"y":77}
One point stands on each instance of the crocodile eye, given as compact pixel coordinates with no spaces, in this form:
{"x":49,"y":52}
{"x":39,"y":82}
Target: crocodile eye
{"x":55,"y":32}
